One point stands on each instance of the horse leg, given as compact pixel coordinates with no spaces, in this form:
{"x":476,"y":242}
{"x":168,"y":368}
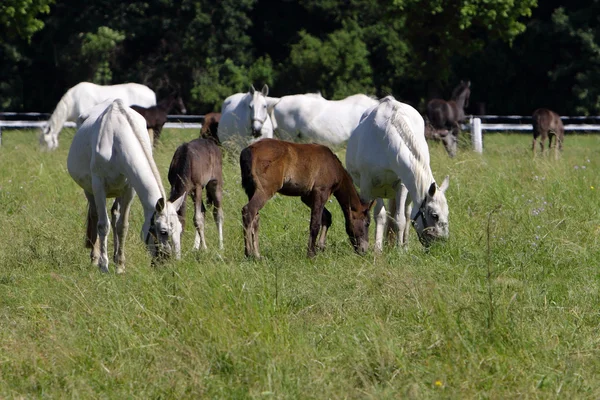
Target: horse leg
{"x":121,"y":226}
{"x":214,"y":192}
{"x":392,"y":230}
{"x":533,"y":146}
{"x":316,"y":218}
{"x":115,"y":215}
{"x":402,"y":216}
{"x":250,"y":220}
{"x":199,"y":214}
{"x":380,"y":216}
{"x":92,"y":229}
{"x":103,"y":222}
{"x":325,"y":223}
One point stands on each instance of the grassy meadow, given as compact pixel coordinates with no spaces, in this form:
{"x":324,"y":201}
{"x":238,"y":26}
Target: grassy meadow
{"x":508,"y":307}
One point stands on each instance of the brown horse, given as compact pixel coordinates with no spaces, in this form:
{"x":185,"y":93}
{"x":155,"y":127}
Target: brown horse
{"x":546,"y":124}
{"x":446,"y":115}
{"x":197,"y":165}
{"x":310,"y":171}
{"x":210,"y":126}
{"x":156,"y":116}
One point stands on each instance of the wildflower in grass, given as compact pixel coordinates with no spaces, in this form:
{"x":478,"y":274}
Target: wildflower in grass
{"x":576,"y":167}
{"x":439,"y":383}
{"x":591,"y":187}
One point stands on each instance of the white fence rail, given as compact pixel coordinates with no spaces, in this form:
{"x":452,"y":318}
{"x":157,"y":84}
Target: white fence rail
{"x":487,"y":123}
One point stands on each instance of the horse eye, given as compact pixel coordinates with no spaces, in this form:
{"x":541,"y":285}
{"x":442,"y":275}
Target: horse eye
{"x":435,"y":216}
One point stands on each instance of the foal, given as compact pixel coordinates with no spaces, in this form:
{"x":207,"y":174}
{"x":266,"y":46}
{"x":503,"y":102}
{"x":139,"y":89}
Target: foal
{"x":197,"y":165}
{"x":546,"y":123}
{"x":310,"y":171}
{"x":156,"y":116}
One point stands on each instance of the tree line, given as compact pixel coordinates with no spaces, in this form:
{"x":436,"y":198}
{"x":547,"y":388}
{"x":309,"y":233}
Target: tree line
{"x":518,"y":55}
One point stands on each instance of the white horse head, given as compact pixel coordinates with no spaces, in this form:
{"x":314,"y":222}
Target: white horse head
{"x":430,"y":218}
{"x":163,"y":236}
{"x":258,"y":109}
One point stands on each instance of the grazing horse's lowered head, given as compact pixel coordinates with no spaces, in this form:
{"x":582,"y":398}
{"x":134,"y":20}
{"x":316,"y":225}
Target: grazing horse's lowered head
{"x":163,"y":234}
{"x":258,"y":109}
{"x":430,"y":218}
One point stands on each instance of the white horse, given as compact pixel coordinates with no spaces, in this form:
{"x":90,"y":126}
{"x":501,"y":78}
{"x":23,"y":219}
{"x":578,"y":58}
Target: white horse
{"x":85,"y":95}
{"x":246,"y":115}
{"x":111,"y":156}
{"x":388,"y":157}
{"x":313,"y":118}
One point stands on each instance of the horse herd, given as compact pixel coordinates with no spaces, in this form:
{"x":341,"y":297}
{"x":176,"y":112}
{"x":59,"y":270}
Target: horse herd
{"x":387,"y":157}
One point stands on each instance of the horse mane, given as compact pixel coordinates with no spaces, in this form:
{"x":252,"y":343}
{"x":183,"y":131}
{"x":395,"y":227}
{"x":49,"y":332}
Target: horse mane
{"x":60,"y":114}
{"x":146,"y":149}
{"x":420,"y":165}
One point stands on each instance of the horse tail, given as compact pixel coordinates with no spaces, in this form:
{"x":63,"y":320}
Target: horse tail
{"x":59,"y":115}
{"x":248,"y":182}
{"x":146,"y":147}
{"x":89,"y":229}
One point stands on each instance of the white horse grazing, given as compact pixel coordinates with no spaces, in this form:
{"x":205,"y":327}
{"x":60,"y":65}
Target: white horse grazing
{"x":246,"y":115}
{"x":388,"y":157}
{"x":111,"y":156}
{"x":313,"y":118}
{"x":85,"y":95}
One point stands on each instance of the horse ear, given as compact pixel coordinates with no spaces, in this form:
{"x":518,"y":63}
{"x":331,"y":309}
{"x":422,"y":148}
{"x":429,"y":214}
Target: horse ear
{"x":265,"y":90}
{"x":252,"y":90}
{"x":445,"y":184}
{"x":431,"y":190}
{"x":371,"y":204}
{"x":179,"y":202}
{"x":160,"y":205}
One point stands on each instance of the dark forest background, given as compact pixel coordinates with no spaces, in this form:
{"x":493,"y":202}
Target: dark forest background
{"x":518,"y":55}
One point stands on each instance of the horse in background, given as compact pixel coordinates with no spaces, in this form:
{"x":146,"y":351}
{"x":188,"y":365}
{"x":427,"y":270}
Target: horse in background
{"x":210,"y":127}
{"x":85,"y":95}
{"x":310,"y":171}
{"x":313,"y":118}
{"x":546,"y":125}
{"x":197,"y":165}
{"x":245,"y":117}
{"x":447,"y":115}
{"x":156,"y":116}
{"x":388,"y":157}
{"x":111,"y":156}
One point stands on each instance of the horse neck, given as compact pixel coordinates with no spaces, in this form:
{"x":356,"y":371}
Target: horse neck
{"x":179,"y":167}
{"x":167,"y":103}
{"x":346,"y":194}
{"x":460,"y":101}
{"x":142,"y":170}
{"x":61,"y":113}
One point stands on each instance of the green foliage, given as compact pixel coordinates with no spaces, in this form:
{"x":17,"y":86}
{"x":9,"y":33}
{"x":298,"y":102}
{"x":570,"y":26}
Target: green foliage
{"x":403,"y":324}
{"x":338,"y":66}
{"x":20,"y":17}
{"x":97,"y":49}
{"x":583,"y":28}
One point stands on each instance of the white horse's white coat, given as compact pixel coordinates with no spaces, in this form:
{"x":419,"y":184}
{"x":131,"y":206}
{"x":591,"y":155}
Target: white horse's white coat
{"x":111,"y":156}
{"x":245,"y":116}
{"x":85,"y":95}
{"x":311,"y":117}
{"x":388,"y":157}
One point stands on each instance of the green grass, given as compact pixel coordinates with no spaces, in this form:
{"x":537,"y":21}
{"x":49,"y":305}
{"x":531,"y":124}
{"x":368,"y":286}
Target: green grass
{"x":519,"y":319}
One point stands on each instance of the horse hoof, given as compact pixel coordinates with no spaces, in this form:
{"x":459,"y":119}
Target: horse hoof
{"x":120,"y":269}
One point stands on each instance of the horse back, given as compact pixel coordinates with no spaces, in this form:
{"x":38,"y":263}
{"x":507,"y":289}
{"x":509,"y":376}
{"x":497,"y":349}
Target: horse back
{"x":195,"y":163}
{"x":545,"y":121}
{"x":292,"y":169}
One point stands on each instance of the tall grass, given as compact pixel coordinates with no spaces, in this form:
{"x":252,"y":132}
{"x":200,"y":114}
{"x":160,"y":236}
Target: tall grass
{"x":507,"y":307}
